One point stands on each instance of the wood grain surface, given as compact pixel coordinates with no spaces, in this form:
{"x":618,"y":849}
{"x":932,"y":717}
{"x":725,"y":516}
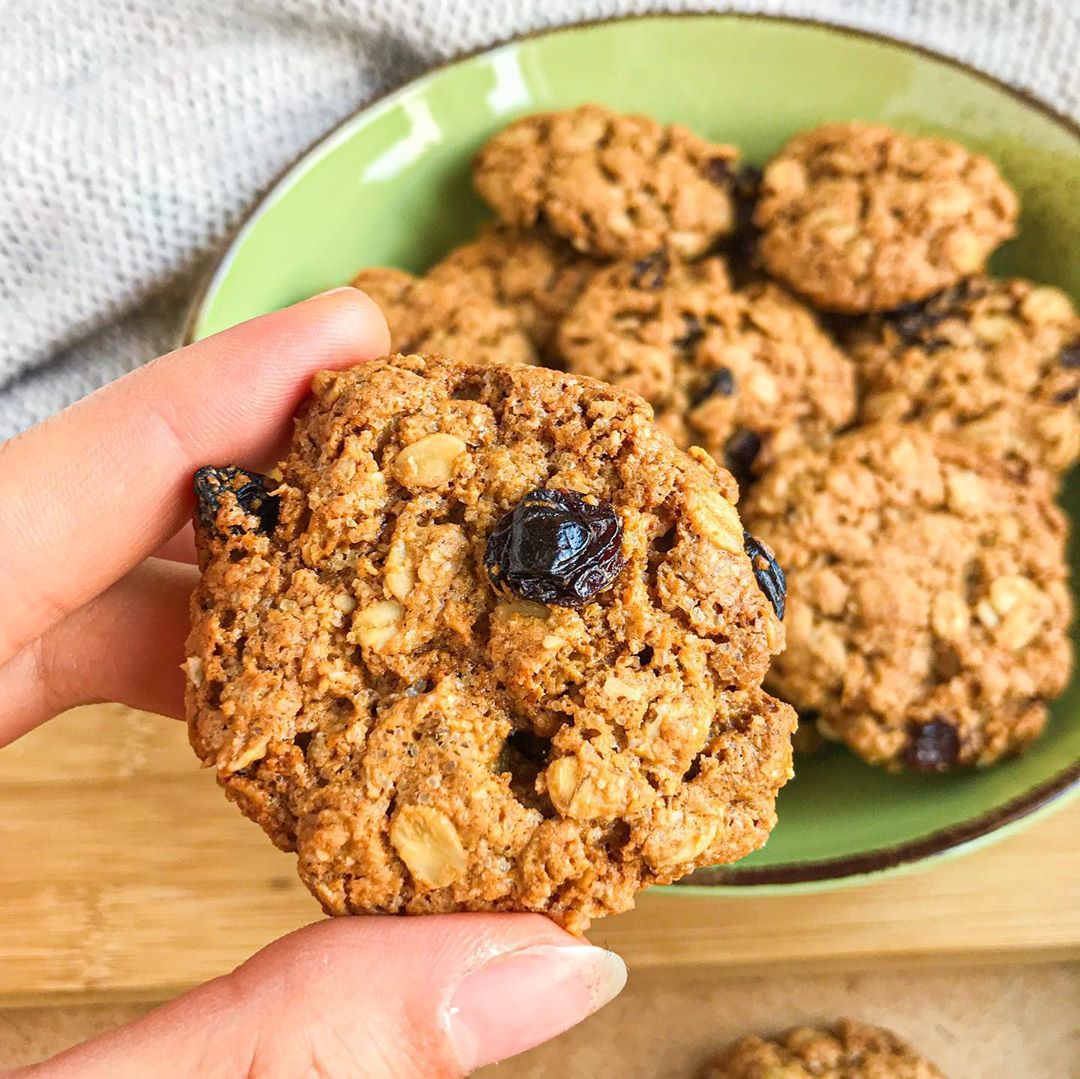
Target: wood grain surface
{"x":124,"y":874}
{"x":1010,"y":1021}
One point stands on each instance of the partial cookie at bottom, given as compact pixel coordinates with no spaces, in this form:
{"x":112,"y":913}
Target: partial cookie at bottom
{"x":848,"y":1050}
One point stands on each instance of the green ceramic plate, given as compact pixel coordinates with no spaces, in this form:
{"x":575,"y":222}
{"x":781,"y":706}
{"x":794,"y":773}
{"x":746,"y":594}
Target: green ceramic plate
{"x":391,"y":186}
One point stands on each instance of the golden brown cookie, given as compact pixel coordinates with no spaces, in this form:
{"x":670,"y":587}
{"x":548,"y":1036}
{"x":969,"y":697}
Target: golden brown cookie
{"x":615,"y":186}
{"x":528,"y":271}
{"x":996,"y":363}
{"x":928,"y":601}
{"x":452,"y":318}
{"x":848,"y":1050}
{"x":493,"y":643}
{"x":858,"y":217}
{"x":746,"y":374}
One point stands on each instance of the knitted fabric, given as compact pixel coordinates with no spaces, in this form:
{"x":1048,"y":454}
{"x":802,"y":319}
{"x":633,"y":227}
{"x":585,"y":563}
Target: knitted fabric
{"x":134,"y":134}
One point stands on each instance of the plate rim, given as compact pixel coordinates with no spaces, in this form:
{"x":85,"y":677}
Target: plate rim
{"x":1054,"y":793}
{"x":845,"y":869}
{"x":224,"y":250}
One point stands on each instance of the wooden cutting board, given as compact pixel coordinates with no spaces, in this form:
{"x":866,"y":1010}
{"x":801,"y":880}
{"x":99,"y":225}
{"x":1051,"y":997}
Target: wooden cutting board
{"x":124,"y":873}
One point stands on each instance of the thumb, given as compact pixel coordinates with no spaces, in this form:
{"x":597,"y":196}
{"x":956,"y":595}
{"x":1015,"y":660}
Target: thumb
{"x":435,"y":996}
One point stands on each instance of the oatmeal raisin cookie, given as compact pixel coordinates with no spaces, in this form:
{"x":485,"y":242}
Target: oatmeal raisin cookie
{"x":996,"y":363}
{"x":491,"y":643}
{"x":858,"y":217}
{"x":748,"y":374}
{"x":452,"y":318}
{"x":848,"y":1050}
{"x":928,"y":608}
{"x":527,"y":271}
{"x":613,"y":185}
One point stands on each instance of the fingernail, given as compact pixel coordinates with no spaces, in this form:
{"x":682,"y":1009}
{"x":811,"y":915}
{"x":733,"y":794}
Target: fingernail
{"x":523,"y":998}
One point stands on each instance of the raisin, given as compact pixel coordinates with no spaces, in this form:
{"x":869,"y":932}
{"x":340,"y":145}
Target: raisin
{"x":839,"y":326}
{"x":694,"y":770}
{"x":719,"y":171}
{"x":249,"y":490}
{"x":651,"y":272}
{"x":721,"y":381}
{"x":555,"y":548}
{"x":770,"y":577}
{"x":1070,"y":356}
{"x":911,"y":321}
{"x":740,"y":453}
{"x":617,"y":837}
{"x":692,"y":334}
{"x":933,"y":746}
{"x":914,"y":322}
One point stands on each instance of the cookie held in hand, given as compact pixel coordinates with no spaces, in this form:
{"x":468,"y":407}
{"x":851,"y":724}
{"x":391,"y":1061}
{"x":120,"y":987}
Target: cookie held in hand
{"x":501,"y":648}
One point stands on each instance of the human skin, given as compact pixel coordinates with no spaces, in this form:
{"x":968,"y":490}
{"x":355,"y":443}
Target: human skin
{"x":95,"y":576}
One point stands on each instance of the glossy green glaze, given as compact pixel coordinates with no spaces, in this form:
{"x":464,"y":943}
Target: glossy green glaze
{"x":391,"y":186}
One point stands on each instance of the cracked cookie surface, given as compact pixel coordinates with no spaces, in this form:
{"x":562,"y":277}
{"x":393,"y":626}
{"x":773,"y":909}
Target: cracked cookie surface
{"x":858,"y":217}
{"x":613,"y":185}
{"x":747,"y":374}
{"x":848,"y":1050}
{"x":995,"y":362}
{"x":449,"y":317}
{"x":928,"y":606}
{"x":528,"y":271}
{"x":428,"y":742}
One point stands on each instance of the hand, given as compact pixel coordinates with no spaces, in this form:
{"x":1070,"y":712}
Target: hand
{"x":89,"y":615}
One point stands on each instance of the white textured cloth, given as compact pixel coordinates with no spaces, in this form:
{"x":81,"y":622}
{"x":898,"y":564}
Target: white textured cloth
{"x":133,"y":134}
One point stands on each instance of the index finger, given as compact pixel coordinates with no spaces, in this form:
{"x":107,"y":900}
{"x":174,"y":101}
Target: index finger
{"x":91,"y":492}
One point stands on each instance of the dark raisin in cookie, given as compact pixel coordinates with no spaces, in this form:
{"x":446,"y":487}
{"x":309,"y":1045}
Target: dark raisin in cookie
{"x":501,"y":648}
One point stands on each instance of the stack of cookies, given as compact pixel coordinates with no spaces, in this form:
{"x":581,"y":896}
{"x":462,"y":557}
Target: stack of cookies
{"x":897,"y":420}
{"x":493,"y":639}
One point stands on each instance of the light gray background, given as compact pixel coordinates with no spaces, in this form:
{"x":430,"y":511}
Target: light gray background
{"x":134,"y":133}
